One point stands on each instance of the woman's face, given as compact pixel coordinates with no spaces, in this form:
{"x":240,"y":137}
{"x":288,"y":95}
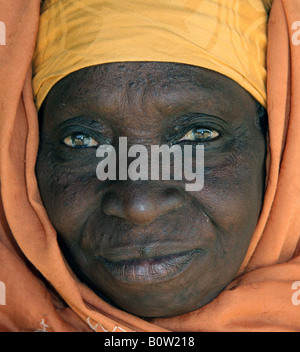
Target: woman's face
{"x":151,"y":247}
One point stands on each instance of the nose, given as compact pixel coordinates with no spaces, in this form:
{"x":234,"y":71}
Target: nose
{"x":141,"y":203}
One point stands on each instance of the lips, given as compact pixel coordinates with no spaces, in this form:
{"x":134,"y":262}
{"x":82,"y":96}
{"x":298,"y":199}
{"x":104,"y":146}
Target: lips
{"x":152,"y":270}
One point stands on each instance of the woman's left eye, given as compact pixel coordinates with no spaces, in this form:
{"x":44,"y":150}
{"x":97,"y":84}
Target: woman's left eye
{"x":199,"y":134}
{"x":80,"y":140}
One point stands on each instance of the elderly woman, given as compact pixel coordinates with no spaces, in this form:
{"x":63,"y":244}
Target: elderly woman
{"x":80,"y":254}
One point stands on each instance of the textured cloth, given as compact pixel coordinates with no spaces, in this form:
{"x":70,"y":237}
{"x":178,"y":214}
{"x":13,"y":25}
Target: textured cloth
{"x":227,"y":36}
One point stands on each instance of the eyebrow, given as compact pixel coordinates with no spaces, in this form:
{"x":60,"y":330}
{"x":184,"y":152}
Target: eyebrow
{"x":86,"y":121}
{"x":194,"y":116}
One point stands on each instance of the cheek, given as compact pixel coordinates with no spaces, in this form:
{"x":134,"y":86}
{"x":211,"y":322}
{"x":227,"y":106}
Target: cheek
{"x":233,"y":194}
{"x":68,"y":195}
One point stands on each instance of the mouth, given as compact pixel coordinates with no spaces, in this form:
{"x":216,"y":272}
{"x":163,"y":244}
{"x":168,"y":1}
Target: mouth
{"x":152,"y":270}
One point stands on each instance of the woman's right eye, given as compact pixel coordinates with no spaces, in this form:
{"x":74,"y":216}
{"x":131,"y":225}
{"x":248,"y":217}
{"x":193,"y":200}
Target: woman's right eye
{"x":80,"y":140}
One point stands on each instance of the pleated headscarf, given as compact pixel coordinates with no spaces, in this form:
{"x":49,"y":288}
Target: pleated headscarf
{"x":226,"y":36}
{"x":230,"y":37}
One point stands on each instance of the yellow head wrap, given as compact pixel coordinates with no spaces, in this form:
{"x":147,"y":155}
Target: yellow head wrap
{"x":227,"y":36}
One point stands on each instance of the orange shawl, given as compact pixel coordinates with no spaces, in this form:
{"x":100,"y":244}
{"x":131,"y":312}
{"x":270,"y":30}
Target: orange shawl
{"x":42,"y":294}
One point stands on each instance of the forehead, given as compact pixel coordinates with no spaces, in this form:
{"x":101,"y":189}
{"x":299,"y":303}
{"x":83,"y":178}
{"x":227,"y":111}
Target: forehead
{"x":166,"y":87}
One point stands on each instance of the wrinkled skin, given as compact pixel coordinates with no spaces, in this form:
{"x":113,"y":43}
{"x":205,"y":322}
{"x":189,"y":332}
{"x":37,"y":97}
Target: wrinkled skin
{"x":150,"y":247}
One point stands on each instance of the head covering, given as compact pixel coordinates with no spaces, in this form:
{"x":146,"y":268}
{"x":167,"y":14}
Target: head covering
{"x":227,"y":36}
{"x":43,"y":294}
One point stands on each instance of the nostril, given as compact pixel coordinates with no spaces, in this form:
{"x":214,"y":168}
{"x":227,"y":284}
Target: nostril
{"x":140,"y":204}
{"x":173,"y":197}
{"x":111,"y":204}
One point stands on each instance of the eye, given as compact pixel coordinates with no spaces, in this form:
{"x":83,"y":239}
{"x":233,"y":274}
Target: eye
{"x":80,"y":140}
{"x":199,"y":134}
